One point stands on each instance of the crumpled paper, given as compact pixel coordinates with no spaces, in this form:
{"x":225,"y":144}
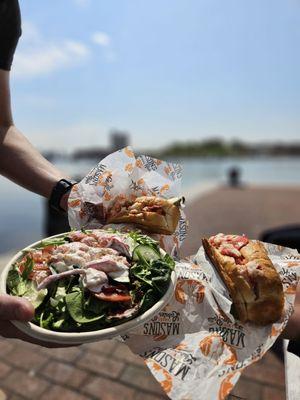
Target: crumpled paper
{"x":123,"y":176}
{"x":194,"y":347}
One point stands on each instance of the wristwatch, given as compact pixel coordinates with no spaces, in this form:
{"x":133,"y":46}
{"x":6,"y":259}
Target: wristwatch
{"x":61,"y":187}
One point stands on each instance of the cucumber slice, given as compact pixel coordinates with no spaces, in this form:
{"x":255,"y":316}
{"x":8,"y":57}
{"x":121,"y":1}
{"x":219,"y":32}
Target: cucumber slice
{"x":147,"y":252}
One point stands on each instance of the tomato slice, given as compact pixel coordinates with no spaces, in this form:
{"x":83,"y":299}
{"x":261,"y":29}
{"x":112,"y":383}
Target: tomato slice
{"x":39,"y":271}
{"x":114,"y":293}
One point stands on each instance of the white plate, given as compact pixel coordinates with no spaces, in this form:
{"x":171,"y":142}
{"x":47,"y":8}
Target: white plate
{"x":82,"y":337}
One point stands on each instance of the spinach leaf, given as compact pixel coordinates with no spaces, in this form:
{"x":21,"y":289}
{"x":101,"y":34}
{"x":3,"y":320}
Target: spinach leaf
{"x":58,"y":297}
{"x":148,"y":300}
{"x":143,"y":239}
{"x":169,"y":261}
{"x":12,"y":280}
{"x":141,"y":272}
{"x":46,"y":319}
{"x":75,"y":306}
{"x":161,"y":283}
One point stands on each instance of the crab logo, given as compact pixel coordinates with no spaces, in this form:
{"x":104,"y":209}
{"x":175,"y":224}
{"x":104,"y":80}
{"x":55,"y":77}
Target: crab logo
{"x":186,"y":288}
{"x":217,"y":350}
{"x":165,"y":379}
{"x":226,"y":387}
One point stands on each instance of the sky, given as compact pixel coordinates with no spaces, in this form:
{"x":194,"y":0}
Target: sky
{"x":164,"y":71}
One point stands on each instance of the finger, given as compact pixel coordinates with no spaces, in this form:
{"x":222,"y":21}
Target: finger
{"x":15,"y":308}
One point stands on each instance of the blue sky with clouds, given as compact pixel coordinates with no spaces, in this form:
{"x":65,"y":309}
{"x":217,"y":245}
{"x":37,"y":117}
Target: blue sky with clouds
{"x":162,"y":70}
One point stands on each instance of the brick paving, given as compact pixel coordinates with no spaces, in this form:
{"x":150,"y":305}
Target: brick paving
{"x":108,"y":370}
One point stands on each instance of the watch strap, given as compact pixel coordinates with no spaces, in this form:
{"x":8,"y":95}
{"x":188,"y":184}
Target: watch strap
{"x":61,"y":187}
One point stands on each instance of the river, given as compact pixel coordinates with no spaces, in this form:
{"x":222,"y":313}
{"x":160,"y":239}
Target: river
{"x":21,"y":212}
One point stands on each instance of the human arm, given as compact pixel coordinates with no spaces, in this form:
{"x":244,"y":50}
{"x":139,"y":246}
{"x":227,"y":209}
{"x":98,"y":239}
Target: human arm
{"x":20,"y":161}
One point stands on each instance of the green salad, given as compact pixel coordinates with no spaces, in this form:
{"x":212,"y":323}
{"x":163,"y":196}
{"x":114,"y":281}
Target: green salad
{"x":90,"y":280}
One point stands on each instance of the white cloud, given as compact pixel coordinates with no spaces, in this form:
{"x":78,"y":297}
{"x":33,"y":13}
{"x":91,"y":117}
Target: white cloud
{"x":101,"y":38}
{"x":76,"y":48}
{"x":36,"y":56}
{"x":80,"y":134}
{"x":52,"y":57}
{"x":30,"y":33}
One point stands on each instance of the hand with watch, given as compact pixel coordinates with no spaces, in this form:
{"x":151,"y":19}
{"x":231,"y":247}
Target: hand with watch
{"x":58,"y":200}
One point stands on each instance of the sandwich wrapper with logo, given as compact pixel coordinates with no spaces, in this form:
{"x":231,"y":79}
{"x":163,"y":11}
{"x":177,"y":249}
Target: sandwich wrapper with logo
{"x":123,"y":176}
{"x":194,"y":347}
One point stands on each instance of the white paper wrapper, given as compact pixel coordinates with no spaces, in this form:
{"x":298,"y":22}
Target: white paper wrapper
{"x":194,"y":347}
{"x":121,"y":176}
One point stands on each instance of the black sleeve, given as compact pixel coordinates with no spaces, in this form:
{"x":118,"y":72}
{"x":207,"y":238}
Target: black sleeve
{"x":10,"y":31}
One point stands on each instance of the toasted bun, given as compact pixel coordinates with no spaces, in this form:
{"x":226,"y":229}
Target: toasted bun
{"x":164,"y":222}
{"x":258,"y":299}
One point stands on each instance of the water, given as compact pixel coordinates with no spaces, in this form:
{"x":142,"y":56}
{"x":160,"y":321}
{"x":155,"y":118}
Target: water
{"x":21,"y":212}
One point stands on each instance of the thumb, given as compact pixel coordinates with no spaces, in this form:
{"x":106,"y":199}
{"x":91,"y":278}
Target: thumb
{"x":15,"y":308}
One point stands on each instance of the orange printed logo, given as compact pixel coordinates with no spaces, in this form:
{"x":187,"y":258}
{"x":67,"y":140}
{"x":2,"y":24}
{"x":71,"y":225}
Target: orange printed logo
{"x":157,"y":162}
{"x":167,"y":382}
{"x":107,"y":196}
{"x":216,"y":350}
{"x":74,"y":203}
{"x":292,"y":289}
{"x":139,"y":163}
{"x":275,"y":332}
{"x":293,"y":264}
{"x":189,"y":288}
{"x":128,"y":167}
{"x":181,"y":346}
{"x":226,"y":387}
{"x":232,"y":357}
{"x":164,"y":188}
{"x":167,"y":170}
{"x":100,"y":181}
{"x":157,"y":338}
{"x":128,"y":152}
{"x":211,"y":346}
{"x":141,"y":181}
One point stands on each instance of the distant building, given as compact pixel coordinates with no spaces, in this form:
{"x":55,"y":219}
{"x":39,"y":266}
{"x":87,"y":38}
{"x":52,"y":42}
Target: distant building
{"x":118,"y":139}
